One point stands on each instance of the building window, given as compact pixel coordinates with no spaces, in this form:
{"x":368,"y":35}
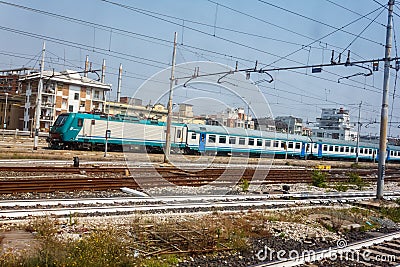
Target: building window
{"x":76,"y":96}
{"x":96,"y":94}
{"x":71,"y":108}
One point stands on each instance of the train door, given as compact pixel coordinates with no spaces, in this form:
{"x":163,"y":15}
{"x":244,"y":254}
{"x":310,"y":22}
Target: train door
{"x":319,"y":150}
{"x":303,"y":150}
{"x":202,"y":142}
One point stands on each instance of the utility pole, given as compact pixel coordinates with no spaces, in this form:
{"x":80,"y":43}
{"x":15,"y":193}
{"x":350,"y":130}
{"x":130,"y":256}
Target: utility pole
{"x":5,"y":116}
{"x":167,"y":149}
{"x":358,"y":131}
{"x":385,"y":105}
{"x":39,"y":101}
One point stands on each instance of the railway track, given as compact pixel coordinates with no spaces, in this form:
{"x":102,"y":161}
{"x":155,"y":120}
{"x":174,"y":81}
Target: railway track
{"x":51,"y":179}
{"x":383,"y":250}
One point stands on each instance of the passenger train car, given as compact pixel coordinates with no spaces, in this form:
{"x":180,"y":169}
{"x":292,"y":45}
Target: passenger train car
{"x":91,"y":131}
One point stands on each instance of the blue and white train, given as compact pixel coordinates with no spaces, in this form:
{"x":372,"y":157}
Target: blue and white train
{"x":92,"y":131}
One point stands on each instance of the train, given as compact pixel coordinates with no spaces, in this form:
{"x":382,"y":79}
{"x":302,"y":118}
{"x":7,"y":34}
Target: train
{"x":127,"y":133}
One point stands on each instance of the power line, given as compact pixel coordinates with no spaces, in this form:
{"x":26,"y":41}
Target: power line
{"x":359,"y":35}
{"x":317,"y":21}
{"x":323,"y":37}
{"x":354,"y":12}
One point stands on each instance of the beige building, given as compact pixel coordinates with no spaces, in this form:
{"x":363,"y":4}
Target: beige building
{"x":65,"y":91}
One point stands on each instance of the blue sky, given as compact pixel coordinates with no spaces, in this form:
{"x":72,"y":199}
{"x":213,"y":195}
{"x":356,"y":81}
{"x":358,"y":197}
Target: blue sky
{"x":139,"y":34}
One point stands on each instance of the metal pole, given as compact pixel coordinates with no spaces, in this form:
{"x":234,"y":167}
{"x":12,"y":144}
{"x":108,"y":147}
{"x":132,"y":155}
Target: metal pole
{"x":385,"y":106}
{"x":39,"y":101}
{"x":5,"y":116}
{"x":358,"y":131}
{"x":167,"y":149}
{"x":108,"y":116}
{"x":119,"y":83}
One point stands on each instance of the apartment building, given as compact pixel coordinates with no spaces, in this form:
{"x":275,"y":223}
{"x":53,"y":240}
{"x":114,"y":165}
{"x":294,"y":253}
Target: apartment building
{"x":62,"y":92}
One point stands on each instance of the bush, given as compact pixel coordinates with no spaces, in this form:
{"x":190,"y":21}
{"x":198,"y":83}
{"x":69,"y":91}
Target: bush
{"x":355,"y":166}
{"x":341,"y":187}
{"x":244,"y":185}
{"x":319,"y":179}
{"x":355,"y":179}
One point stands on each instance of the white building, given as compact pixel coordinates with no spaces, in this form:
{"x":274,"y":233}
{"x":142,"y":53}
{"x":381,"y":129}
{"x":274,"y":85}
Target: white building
{"x":335,"y":124}
{"x":62,"y":92}
{"x":291,"y":124}
{"x":235,"y":118}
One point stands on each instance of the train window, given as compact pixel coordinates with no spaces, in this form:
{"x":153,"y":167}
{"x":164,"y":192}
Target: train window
{"x":251,"y":142}
{"x":336,"y":149}
{"x":242,"y":141}
{"x":283,"y":145}
{"x":315,"y":146}
{"x":212,"y":138}
{"x":391,"y":153}
{"x":298,"y":145}
{"x":290,"y":145}
{"x":267,"y":143}
{"x":361,"y":150}
{"x":341,"y":149}
{"x":93,"y":122}
{"x":222,"y":139}
{"x":352,"y":150}
{"x":80,"y":122}
{"x":330,"y":148}
{"x":61,"y":120}
{"x":232,"y":140}
{"x":276,"y":143}
{"x":259,"y":142}
{"x":325,"y":148}
{"x":347,"y":149}
{"x":178,"y":133}
{"x":194,"y":136}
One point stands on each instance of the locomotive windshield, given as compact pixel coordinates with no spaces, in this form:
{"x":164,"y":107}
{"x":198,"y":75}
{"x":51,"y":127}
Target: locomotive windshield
{"x":60,"y":120}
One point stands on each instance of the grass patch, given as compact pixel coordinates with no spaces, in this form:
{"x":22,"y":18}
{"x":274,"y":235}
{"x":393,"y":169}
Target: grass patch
{"x":355,"y":179}
{"x":341,"y":187}
{"x":392,"y":213}
{"x":319,"y":179}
